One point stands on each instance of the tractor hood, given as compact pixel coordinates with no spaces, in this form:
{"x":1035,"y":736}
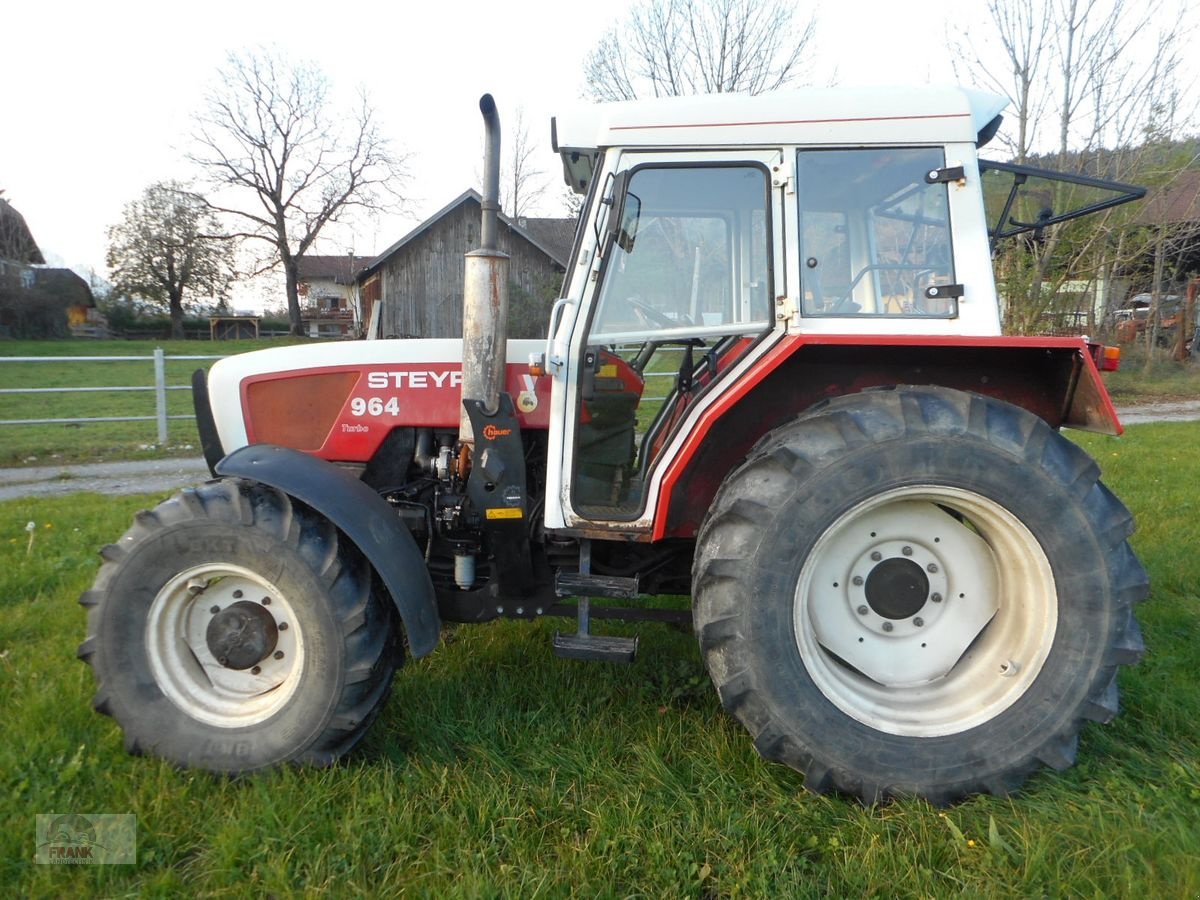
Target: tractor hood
{"x":340,"y":401}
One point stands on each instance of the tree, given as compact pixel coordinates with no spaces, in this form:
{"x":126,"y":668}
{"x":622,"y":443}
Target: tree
{"x":668,"y":48}
{"x":522,"y":183}
{"x":1082,"y":97}
{"x":166,"y":249}
{"x":290,"y":160}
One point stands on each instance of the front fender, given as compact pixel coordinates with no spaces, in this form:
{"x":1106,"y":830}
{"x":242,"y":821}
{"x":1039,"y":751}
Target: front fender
{"x":364,"y":517}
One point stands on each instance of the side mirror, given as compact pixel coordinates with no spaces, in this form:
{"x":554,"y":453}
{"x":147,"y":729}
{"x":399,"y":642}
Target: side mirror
{"x":624,"y":211}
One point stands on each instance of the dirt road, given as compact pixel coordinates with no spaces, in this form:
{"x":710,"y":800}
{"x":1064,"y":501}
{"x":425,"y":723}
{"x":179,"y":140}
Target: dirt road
{"x":141,"y":477}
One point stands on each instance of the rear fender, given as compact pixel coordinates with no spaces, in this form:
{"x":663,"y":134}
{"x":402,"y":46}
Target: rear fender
{"x":363,"y":516}
{"x":1054,"y":378}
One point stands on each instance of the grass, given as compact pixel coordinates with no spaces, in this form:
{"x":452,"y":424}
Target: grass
{"x":95,"y":442}
{"x":498,"y":771}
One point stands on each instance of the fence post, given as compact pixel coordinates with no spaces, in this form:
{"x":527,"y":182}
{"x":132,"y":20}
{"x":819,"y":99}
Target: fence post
{"x":160,"y":394}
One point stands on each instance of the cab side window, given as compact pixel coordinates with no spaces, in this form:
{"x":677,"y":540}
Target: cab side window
{"x":874,"y":234}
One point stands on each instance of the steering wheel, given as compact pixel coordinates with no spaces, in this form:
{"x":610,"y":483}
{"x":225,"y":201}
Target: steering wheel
{"x":654,"y":317}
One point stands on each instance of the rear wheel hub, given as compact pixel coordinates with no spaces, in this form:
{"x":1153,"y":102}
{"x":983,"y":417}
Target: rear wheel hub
{"x":897,"y":588}
{"x":241,"y":635}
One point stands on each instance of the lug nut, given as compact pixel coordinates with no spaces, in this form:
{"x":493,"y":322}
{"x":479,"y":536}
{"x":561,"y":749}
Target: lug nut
{"x":857,"y":580}
{"x":257,"y":670}
{"x":214,"y":609}
{"x":932,"y":567}
{"x":237,"y":595}
{"x":876,"y":556}
{"x":862,"y":610}
{"x":283,"y":626}
{"x":279,"y":654}
{"x":918,"y":621}
{"x":936,"y":598}
{"x":907,"y":551}
{"x":266,"y":601}
{"x":888,"y":626}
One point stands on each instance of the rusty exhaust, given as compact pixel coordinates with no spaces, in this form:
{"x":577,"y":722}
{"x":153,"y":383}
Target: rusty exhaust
{"x":485,"y":291}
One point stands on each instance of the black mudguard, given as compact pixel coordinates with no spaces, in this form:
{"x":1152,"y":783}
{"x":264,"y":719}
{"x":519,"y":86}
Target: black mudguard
{"x":363,"y":516}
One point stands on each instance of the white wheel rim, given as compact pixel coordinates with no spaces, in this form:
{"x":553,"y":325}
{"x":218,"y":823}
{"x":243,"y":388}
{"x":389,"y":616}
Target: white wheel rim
{"x":184,"y":666}
{"x":925,"y":611}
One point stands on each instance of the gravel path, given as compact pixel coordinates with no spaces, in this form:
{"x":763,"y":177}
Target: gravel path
{"x":156,"y":476}
{"x":141,"y":477}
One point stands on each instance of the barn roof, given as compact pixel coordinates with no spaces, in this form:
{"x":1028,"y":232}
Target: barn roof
{"x":1174,"y":203}
{"x":541,"y":233}
{"x":341,"y":269}
{"x":16,"y":241}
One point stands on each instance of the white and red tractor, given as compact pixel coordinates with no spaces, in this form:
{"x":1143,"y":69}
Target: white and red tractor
{"x":775,"y":380}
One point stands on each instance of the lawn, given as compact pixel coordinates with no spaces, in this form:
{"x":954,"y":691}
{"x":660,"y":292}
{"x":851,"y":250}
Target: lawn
{"x":98,"y":441}
{"x":497,"y":770}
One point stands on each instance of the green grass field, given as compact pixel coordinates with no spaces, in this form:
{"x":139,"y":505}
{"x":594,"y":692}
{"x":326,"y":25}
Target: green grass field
{"x":99,"y":441}
{"x":497,"y":770}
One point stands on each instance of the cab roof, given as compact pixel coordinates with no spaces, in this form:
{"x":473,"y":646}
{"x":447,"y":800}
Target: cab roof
{"x":815,"y":116}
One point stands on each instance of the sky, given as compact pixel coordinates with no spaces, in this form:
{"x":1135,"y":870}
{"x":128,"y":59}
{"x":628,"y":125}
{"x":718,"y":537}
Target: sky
{"x":97,"y":98}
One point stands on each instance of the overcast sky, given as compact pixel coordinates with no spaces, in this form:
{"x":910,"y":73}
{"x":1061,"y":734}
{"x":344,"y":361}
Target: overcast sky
{"x":97,"y":97}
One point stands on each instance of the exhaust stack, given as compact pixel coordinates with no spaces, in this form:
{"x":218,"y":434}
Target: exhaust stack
{"x":485,"y":291}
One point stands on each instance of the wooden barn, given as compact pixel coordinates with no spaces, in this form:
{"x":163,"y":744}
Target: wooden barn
{"x":418,"y":281}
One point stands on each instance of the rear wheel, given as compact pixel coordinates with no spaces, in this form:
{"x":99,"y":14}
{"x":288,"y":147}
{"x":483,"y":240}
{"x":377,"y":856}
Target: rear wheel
{"x":232,"y":629}
{"x":917,"y":592}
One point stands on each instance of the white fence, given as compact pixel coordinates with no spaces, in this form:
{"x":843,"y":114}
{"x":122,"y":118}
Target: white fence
{"x":160,"y":388}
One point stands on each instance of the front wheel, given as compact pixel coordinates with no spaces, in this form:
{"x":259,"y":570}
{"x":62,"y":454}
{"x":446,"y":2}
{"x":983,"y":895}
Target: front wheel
{"x":917,"y":592}
{"x":231,"y":629}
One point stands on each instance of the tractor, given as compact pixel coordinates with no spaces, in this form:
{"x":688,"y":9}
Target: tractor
{"x":774,"y":380}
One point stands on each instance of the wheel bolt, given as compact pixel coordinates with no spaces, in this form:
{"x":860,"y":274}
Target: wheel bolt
{"x":907,"y":551}
{"x":876,"y":556}
{"x":936,"y":598}
{"x":237,"y":595}
{"x":214,"y":610}
{"x":266,"y":601}
{"x":222,"y":660}
{"x":279,"y":654}
{"x":918,"y":621}
{"x":857,"y":580}
{"x":888,"y":626}
{"x":932,"y":567}
{"x":257,"y":670}
{"x":283,"y":626}
{"x":862,"y":610}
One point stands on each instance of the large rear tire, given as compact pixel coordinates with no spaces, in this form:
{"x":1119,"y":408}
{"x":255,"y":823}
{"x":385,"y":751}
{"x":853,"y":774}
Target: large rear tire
{"x":917,"y":592}
{"x":232,"y":629}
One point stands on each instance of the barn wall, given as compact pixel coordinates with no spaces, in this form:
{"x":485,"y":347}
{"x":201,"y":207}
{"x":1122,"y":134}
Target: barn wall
{"x":423,"y":281}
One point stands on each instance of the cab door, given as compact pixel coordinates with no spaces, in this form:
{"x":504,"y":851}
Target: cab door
{"x":684,"y":285}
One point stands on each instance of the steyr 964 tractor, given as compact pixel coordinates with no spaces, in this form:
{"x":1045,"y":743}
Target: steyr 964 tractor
{"x":775,"y":380}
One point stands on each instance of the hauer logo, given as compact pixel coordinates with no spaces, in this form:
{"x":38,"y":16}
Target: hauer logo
{"x":491,"y":432}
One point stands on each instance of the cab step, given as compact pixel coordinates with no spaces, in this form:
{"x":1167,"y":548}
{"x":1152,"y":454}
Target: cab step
{"x":595,"y":647}
{"x":578,"y":584}
{"x":584,"y":585}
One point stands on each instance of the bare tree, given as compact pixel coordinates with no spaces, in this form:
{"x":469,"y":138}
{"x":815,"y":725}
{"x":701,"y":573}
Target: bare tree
{"x":291,"y":162}
{"x":522,"y":183}
{"x":166,"y":249}
{"x":668,"y":48}
{"x":1082,"y":96}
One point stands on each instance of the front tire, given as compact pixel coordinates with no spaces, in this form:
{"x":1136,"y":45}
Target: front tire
{"x":917,"y":592}
{"x":232,"y":629}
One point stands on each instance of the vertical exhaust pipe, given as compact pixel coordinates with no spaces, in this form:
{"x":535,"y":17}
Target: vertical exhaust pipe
{"x":485,"y":292}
